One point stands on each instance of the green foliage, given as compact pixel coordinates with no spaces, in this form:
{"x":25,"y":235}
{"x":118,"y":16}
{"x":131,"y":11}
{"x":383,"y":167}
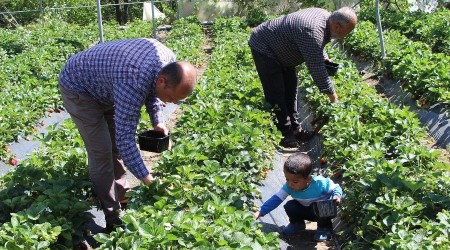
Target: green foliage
{"x":186,"y":38}
{"x":31,"y":62}
{"x":43,"y":201}
{"x":82,"y":12}
{"x":430,"y":28}
{"x":393,"y":184}
{"x":424,"y":73}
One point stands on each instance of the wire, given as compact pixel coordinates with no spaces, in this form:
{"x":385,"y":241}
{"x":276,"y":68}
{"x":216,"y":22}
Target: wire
{"x":78,"y":7}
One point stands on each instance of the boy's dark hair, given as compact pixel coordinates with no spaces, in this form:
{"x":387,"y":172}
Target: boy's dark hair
{"x":298,"y":164}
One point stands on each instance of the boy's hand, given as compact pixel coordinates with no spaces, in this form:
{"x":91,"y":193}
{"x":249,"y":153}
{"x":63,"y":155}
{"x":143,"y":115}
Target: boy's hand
{"x":338,"y":199}
{"x":257,"y":215}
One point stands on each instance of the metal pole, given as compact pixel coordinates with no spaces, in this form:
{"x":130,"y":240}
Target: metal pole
{"x":340,"y":4}
{"x":380,"y":31}
{"x":153,"y":19}
{"x":99,"y":20}
{"x":42,"y":12}
{"x":178,"y":9}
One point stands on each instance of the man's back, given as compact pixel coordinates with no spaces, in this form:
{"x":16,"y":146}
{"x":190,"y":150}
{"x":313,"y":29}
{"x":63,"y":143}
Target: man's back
{"x":291,"y":39}
{"x":100,"y":70}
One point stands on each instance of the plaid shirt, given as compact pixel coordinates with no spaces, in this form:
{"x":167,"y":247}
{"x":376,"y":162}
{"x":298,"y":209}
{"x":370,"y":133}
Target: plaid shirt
{"x":296,"y":38}
{"x":121,"y":74}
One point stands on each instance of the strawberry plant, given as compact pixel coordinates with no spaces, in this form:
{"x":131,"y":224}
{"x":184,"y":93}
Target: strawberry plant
{"x":390,"y":196}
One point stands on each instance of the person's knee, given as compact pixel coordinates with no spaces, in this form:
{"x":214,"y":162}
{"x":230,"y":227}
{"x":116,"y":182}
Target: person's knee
{"x":291,"y":206}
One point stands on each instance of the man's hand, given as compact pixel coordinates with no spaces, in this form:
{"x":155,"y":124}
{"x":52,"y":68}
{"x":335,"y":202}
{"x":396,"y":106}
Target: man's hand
{"x":161,"y":127}
{"x":147,"y":180}
{"x":333,"y":98}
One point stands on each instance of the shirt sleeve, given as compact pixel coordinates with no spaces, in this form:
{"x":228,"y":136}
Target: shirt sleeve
{"x":337,"y":190}
{"x":129,"y":99}
{"x":333,"y":188}
{"x":273,"y":202}
{"x":154,"y":109}
{"x":314,"y":55}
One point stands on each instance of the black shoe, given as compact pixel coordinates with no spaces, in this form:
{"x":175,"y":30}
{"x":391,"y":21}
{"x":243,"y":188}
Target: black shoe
{"x":111,"y":226}
{"x":289,"y":141}
{"x":304,"y":135}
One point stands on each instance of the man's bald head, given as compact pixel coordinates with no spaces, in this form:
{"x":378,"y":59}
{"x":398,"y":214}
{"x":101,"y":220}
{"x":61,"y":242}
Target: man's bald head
{"x":180,"y":72}
{"x":176,"y":81}
{"x":342,"y":22}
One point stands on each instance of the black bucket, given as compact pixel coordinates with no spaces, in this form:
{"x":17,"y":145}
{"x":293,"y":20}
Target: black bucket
{"x":153,"y":141}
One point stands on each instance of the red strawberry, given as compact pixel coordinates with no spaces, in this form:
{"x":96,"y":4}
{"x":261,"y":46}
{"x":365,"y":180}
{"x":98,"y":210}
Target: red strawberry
{"x":323,"y":161}
{"x":13,"y":161}
{"x":337,"y":175}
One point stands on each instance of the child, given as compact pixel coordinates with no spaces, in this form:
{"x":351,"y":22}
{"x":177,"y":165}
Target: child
{"x":304,"y":189}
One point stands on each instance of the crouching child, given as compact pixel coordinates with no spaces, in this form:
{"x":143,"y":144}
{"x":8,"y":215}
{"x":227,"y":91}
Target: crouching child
{"x":304,"y":190}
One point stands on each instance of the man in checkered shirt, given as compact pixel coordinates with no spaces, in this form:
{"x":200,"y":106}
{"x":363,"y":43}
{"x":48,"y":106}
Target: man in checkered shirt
{"x":103,"y":89}
{"x":279,"y":45}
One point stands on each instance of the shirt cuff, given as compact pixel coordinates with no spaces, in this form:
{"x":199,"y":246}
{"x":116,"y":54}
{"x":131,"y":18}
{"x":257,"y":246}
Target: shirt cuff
{"x":329,"y":90}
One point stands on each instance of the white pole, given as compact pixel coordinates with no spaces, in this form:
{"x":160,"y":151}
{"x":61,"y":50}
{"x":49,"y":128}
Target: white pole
{"x":99,"y":20}
{"x":42,"y":11}
{"x":380,"y":31}
{"x":153,"y":19}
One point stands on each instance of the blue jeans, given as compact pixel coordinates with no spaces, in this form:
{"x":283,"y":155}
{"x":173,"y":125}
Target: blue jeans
{"x":298,"y":213}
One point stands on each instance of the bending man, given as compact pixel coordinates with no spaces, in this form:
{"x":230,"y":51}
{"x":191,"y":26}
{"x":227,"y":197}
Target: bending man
{"x":103,"y":89}
{"x":279,"y":45}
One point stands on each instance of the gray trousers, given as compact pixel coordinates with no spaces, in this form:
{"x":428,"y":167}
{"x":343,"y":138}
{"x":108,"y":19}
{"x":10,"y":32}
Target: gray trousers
{"x":95,"y":122}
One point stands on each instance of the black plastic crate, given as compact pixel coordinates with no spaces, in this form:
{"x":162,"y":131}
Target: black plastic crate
{"x":153,"y":141}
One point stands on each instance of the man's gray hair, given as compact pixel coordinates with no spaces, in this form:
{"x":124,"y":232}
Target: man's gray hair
{"x":343,"y":16}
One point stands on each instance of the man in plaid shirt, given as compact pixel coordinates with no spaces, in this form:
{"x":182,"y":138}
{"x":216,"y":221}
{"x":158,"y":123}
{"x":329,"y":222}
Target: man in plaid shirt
{"x":279,"y":45}
{"x":103,"y":89}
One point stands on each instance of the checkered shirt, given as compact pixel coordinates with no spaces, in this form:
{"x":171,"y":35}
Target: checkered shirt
{"x":296,"y":38}
{"x":121,"y":74}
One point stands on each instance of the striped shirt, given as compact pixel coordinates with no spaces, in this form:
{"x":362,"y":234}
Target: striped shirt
{"x":296,"y":38}
{"x":121,"y":74}
{"x":321,"y":188}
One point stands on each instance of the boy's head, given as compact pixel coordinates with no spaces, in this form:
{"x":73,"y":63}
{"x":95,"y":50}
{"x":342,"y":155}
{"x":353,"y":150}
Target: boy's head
{"x":297,"y":170}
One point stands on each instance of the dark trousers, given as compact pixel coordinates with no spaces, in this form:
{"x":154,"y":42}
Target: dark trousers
{"x":280,"y":90}
{"x":298,"y":213}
